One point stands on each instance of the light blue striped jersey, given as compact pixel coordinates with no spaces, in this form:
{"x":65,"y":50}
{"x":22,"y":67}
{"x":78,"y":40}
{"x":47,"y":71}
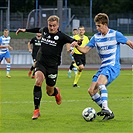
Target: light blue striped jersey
{"x":108,"y":47}
{"x":5,"y":42}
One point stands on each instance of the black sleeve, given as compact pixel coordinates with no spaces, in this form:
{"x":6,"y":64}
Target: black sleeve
{"x":32,"y":41}
{"x":66,"y":38}
{"x":34,"y":30}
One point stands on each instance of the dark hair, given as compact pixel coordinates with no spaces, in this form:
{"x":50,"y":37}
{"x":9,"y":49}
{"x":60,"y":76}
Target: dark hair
{"x":75,"y":29}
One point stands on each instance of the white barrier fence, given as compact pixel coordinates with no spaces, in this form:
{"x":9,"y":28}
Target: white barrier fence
{"x":20,"y":57}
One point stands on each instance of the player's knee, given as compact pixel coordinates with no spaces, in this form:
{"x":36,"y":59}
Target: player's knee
{"x":49,"y":90}
{"x":81,"y":68}
{"x":38,"y":82}
{"x":92,"y":91}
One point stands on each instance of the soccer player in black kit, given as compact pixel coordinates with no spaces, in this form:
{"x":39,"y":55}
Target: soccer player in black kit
{"x":36,"y":43}
{"x":48,"y":60}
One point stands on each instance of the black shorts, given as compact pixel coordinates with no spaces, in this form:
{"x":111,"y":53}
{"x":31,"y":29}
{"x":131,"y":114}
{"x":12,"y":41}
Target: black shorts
{"x":79,"y":59}
{"x":50,"y":73}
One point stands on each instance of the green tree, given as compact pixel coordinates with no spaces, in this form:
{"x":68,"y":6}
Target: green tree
{"x":107,"y":6}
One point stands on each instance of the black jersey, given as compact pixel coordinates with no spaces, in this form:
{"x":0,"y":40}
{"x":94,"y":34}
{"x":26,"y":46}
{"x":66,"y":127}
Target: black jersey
{"x":36,"y":45}
{"x":51,"y":46}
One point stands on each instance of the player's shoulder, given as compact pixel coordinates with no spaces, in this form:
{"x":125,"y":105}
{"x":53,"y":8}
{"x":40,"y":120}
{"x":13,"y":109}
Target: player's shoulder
{"x":115,"y":32}
{"x":44,"y":30}
{"x":2,"y":36}
{"x":62,"y":34}
{"x":112,"y":31}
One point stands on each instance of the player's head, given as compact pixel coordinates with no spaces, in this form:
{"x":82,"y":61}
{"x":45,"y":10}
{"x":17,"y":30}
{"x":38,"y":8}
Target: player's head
{"x":53,"y":24}
{"x":101,"y":21}
{"x":101,"y":18}
{"x":38,"y":35}
{"x":75,"y":32}
{"x":6,"y":32}
{"x":81,"y":30}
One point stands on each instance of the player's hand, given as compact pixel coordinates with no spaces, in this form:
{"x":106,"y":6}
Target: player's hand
{"x":80,"y":41}
{"x":30,"y":50}
{"x":10,"y":48}
{"x":20,"y":30}
{"x":74,"y":44}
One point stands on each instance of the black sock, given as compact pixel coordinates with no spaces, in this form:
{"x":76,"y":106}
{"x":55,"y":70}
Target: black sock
{"x":37,"y":92}
{"x":71,"y":66}
{"x":32,"y":68}
{"x":55,"y":92}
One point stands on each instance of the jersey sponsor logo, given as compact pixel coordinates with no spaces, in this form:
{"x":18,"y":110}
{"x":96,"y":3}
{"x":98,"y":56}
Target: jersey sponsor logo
{"x":104,"y":48}
{"x":38,"y":43}
{"x":52,"y":76}
{"x":48,"y":41}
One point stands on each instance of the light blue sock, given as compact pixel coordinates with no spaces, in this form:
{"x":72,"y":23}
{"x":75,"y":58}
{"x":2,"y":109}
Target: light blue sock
{"x":8,"y":67}
{"x":104,"y":97}
{"x":96,"y":97}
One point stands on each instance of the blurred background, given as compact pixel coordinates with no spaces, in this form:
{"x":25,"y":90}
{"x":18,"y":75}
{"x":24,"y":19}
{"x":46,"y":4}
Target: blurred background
{"x":16,"y":14}
{"x":33,"y":13}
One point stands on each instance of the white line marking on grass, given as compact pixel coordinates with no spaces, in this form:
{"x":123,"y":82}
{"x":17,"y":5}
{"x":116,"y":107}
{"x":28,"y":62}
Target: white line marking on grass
{"x":66,"y":101}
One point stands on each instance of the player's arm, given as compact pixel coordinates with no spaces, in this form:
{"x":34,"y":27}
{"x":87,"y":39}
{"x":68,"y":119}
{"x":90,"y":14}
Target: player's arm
{"x":11,"y":48}
{"x":29,"y":47}
{"x":130,"y":44}
{"x":84,"y":49}
{"x":122,"y":39}
{"x":68,"y":47}
{"x":3,"y":46}
{"x":34,"y":30}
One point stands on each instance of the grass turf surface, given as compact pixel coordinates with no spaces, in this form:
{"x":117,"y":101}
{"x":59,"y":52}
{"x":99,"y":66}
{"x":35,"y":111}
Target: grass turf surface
{"x":16,"y":105}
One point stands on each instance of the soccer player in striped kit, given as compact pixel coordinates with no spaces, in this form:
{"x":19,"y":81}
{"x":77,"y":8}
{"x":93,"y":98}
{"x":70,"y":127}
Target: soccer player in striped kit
{"x":4,"y":50}
{"x":107,"y":42}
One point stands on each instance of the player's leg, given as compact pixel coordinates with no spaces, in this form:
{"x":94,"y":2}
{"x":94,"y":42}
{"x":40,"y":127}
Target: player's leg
{"x":70,"y":70}
{"x":100,"y":100}
{"x":33,"y":74}
{"x":78,"y":75}
{"x":1,"y":58}
{"x":93,"y":91}
{"x":37,"y":93}
{"x":50,"y":84}
{"x":71,"y":66}
{"x":75,"y":70}
{"x":54,"y":91}
{"x":106,"y":112}
{"x":108,"y":74}
{"x":104,"y":79}
{"x":30,"y":71}
{"x":8,"y":65}
{"x":32,"y":67}
{"x":80,"y":62}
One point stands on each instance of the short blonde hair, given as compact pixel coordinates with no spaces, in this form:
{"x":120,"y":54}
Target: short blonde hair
{"x":53,"y":18}
{"x":101,"y":18}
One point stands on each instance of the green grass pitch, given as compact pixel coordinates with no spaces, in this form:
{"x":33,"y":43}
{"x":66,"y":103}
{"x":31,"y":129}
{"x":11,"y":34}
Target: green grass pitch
{"x":16,"y":105}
